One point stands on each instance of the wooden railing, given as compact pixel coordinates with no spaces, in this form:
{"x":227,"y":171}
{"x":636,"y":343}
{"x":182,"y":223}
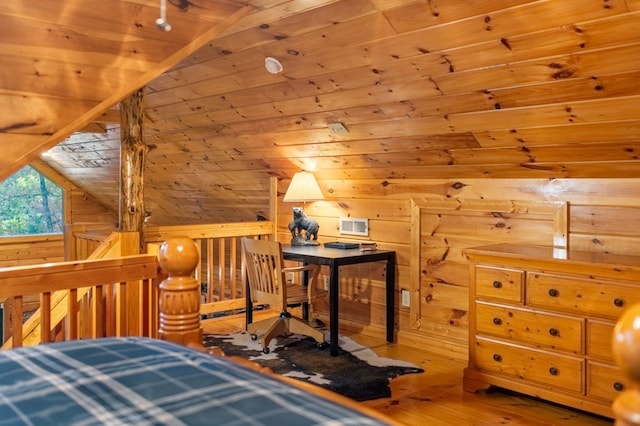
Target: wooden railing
{"x":110,"y":247}
{"x":219,"y":271}
{"x":89,"y":241}
{"x":170,"y":310}
{"x":81,"y":299}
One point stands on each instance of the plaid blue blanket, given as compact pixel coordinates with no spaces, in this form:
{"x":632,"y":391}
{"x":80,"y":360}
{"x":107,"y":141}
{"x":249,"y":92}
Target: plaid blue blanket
{"x":138,"y":381}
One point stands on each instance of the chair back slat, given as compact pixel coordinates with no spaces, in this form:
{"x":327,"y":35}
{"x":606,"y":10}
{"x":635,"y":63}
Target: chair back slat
{"x":264,"y":269}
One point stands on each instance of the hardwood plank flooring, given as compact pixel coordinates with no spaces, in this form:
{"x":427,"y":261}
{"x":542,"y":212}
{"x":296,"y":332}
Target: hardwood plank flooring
{"x":436,"y":397}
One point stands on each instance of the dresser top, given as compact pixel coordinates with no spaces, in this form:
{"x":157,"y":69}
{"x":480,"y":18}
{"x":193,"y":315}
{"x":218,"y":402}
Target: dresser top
{"x":536,"y":254}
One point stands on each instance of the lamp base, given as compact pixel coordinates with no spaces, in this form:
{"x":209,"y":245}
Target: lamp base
{"x":299,"y":240}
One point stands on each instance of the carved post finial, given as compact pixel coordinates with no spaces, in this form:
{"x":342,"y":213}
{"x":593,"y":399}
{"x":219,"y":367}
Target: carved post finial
{"x":180,"y":293}
{"x":626,"y":349}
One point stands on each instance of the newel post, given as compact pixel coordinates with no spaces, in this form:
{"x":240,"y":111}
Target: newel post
{"x":179,"y":297}
{"x":626,"y":348}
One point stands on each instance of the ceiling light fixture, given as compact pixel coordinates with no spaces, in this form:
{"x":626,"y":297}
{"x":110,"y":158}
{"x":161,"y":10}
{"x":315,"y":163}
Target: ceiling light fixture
{"x":162,"y":22}
{"x":272,"y":65}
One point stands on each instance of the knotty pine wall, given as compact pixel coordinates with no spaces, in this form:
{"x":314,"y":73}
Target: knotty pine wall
{"x":430,"y":221}
{"x":31,"y":249}
{"x":84,"y":209}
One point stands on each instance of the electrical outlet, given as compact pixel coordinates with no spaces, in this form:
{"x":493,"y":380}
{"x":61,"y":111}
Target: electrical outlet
{"x":290,"y":277}
{"x":406,"y":298}
{"x":326,"y":282}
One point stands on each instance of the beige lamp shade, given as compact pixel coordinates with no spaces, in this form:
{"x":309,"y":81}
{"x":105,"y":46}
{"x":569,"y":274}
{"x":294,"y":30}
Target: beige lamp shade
{"x":303,"y":187}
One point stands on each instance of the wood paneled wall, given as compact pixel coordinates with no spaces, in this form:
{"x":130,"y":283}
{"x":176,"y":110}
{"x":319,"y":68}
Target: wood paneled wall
{"x":85,"y":209}
{"x":31,"y":250}
{"x":596,"y":214}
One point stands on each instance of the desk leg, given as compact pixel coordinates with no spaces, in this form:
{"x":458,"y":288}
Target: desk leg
{"x":305,"y":305}
{"x":249,"y":306}
{"x":390,"y":288}
{"x":334,"y":297}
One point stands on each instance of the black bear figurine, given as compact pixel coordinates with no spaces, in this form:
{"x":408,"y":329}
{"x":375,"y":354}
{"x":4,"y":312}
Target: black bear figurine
{"x":303,"y":222}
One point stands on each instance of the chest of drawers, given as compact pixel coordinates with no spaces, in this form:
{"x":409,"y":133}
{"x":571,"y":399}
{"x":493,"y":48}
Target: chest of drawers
{"x":541,"y":322}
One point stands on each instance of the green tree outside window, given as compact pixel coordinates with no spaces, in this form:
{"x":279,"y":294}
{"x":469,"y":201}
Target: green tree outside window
{"x":30,"y":204}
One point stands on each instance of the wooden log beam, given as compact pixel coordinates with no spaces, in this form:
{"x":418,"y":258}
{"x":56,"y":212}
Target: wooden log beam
{"x":132,"y":163}
{"x":133,"y":152}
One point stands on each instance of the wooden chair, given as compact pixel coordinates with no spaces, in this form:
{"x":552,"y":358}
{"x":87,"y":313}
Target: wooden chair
{"x":268,"y":285}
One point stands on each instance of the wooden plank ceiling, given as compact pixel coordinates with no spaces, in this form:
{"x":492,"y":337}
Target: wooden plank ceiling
{"x":66,"y":62}
{"x":425,"y":89}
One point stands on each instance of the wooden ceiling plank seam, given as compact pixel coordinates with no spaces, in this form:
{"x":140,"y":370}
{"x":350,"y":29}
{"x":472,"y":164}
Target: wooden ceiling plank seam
{"x":611,"y":60}
{"x":608,"y":109}
{"x":622,"y":131}
{"x":413,"y":16}
{"x":614,"y":151}
{"x":274,"y":13}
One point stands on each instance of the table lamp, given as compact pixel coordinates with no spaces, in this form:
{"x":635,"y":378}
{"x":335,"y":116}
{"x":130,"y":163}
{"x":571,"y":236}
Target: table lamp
{"x":303,"y":188}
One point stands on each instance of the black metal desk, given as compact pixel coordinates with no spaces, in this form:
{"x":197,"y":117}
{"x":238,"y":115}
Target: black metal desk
{"x":335,"y":258}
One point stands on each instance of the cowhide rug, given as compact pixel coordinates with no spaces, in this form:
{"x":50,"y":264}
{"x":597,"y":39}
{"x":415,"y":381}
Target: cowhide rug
{"x":357,"y":372}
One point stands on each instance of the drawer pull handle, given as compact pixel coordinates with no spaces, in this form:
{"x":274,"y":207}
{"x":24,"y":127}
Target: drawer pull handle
{"x":553,"y":331}
{"x":618,"y":302}
{"x":618,"y":386}
{"x":553,"y":371}
{"x":497,"y":357}
{"x":497,"y":284}
{"x":497,"y":321}
{"x":553,"y":292}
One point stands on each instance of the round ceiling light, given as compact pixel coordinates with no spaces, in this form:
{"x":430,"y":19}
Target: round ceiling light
{"x":272,"y":65}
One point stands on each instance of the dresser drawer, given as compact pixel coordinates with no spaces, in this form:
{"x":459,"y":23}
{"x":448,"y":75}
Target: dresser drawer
{"x":605,"y":381}
{"x":599,"y":339}
{"x":554,"y":370}
{"x":531,"y":327}
{"x":499,"y":283}
{"x":578,"y":295}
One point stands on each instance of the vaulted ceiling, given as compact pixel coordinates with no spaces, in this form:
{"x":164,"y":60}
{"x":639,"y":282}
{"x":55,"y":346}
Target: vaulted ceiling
{"x":423,"y":89}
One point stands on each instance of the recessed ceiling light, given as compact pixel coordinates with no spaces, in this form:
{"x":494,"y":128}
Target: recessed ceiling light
{"x":272,"y":65}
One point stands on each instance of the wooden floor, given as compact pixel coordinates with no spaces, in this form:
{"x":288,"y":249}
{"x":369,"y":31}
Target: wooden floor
{"x":435,"y":397}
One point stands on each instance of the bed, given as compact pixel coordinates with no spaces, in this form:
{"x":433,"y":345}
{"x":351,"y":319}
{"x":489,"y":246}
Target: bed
{"x":143,"y":381}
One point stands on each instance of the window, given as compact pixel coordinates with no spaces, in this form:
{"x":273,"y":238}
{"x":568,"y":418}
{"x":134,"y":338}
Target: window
{"x":30,"y":204}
